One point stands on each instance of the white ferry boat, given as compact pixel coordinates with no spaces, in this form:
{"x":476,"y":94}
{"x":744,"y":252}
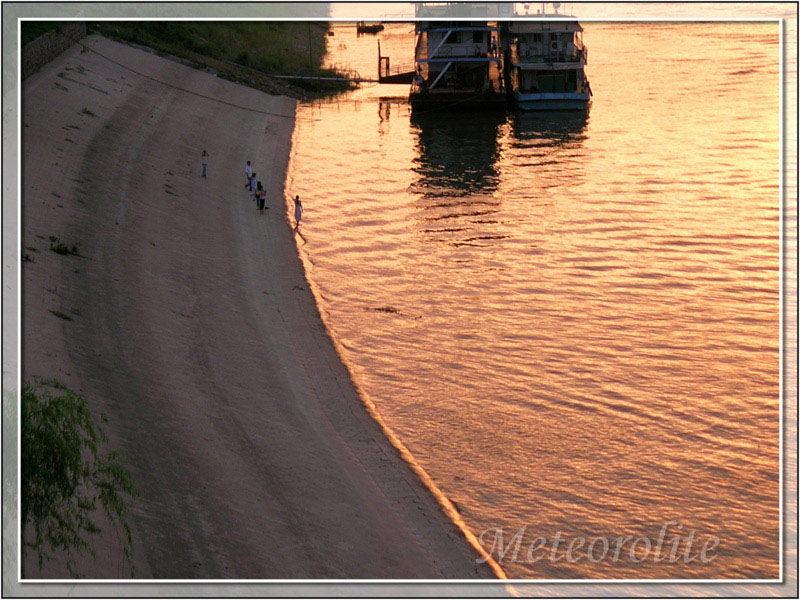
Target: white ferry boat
{"x":545,"y":63}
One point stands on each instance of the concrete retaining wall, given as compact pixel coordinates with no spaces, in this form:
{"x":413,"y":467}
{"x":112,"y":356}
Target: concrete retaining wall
{"x":46,"y":47}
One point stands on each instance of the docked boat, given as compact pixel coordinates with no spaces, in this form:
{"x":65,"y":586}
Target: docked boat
{"x":457,"y":63}
{"x":545,"y":63}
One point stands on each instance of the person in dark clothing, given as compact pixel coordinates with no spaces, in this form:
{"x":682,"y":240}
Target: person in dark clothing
{"x":261,"y":195}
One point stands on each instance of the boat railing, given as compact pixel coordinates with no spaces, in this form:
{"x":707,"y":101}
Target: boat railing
{"x":446,"y":52}
{"x":419,"y":86}
{"x":578,"y":55}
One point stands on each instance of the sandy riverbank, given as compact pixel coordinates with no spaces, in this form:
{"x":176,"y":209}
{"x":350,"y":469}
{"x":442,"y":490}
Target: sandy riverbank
{"x":194,"y":330}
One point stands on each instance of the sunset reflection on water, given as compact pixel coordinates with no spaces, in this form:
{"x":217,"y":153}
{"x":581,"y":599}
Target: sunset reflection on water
{"x":583,"y":334}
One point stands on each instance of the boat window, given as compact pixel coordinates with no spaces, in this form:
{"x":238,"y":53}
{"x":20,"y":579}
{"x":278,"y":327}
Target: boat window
{"x":453,"y":38}
{"x":572,"y":81}
{"x":477,"y":37}
{"x":537,"y":37}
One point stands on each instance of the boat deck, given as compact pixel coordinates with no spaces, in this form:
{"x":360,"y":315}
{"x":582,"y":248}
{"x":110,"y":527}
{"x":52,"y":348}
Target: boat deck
{"x":493,"y":97}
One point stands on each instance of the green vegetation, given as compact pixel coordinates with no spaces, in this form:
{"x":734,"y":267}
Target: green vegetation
{"x":30,"y":30}
{"x":243,"y":51}
{"x":59,"y":247}
{"x":68,"y":474}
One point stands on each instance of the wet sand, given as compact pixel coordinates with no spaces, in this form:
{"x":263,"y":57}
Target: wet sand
{"x":193,"y":328}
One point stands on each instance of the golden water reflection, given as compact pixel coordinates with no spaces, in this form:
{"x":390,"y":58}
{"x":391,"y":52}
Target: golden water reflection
{"x":583,"y":334}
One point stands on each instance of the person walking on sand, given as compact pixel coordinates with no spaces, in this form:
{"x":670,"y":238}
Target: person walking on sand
{"x":248,"y":173}
{"x":205,"y":162}
{"x":262,"y":196}
{"x":253,"y":185}
{"x":298,"y":212}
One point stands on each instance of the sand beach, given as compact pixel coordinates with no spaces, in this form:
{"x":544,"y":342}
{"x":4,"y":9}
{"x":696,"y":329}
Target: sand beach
{"x":191,"y":325}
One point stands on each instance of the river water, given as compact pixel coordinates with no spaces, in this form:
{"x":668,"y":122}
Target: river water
{"x":572,"y":322}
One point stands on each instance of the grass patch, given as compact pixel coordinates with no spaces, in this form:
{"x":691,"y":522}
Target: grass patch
{"x":34,"y":29}
{"x":86,"y":111}
{"x":234,"y":48}
{"x":59,"y":247}
{"x":61,"y":315}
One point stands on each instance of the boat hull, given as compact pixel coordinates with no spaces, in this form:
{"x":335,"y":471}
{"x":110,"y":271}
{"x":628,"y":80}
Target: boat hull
{"x":458,"y":100}
{"x":551,"y":101}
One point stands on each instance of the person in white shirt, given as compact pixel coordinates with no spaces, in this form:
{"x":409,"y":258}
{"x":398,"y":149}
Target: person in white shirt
{"x":248,"y":171}
{"x":205,"y":162}
{"x":253,"y":185}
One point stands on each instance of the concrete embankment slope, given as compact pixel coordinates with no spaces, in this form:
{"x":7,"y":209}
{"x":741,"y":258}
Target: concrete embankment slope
{"x":194,"y":330}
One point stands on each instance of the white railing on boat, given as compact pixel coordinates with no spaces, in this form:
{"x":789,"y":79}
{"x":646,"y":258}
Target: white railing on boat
{"x":578,"y":55}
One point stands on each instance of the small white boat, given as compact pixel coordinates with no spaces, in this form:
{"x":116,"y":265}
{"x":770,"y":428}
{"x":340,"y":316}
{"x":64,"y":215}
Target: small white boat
{"x":546,"y":62}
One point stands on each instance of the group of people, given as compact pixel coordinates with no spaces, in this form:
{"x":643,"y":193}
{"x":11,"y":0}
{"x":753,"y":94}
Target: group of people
{"x":259,"y":194}
{"x":257,"y":191}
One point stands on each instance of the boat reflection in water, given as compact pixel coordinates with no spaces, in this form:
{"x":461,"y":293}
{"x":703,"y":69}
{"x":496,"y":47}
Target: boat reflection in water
{"x":457,"y":175}
{"x":458,"y":152}
{"x":550,"y":147}
{"x":555,"y":126}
